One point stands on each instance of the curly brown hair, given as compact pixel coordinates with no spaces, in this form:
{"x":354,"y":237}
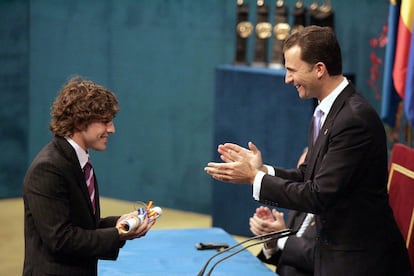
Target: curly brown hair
{"x":79,"y":103}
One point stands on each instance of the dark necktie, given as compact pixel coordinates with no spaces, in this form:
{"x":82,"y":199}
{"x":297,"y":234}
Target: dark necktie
{"x":90,"y":182}
{"x":317,"y":116}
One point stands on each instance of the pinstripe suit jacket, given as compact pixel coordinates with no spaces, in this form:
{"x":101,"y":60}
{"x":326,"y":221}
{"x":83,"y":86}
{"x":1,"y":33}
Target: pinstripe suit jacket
{"x":343,"y":181}
{"x":62,"y":234}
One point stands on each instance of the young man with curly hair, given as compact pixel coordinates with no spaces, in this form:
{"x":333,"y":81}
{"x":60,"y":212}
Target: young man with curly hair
{"x":64,"y":233}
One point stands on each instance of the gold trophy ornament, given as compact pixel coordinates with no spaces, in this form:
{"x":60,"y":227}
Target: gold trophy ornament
{"x":280,"y":32}
{"x":263,"y":33}
{"x":243,"y":30}
{"x":323,"y":15}
{"x":299,"y":16}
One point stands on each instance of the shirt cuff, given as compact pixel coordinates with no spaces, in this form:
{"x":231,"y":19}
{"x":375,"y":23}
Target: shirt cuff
{"x":257,"y":184}
{"x":270,"y":170}
{"x":281,"y":242}
{"x":269,"y":252}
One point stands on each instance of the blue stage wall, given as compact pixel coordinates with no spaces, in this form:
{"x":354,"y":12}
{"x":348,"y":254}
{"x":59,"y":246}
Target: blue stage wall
{"x":159,"y":57}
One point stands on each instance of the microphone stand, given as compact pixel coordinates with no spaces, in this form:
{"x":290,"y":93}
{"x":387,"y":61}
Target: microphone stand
{"x":244,"y":248}
{"x":263,"y":238}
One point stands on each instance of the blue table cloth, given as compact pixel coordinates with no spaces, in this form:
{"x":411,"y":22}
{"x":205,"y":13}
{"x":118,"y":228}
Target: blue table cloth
{"x":173,"y":252}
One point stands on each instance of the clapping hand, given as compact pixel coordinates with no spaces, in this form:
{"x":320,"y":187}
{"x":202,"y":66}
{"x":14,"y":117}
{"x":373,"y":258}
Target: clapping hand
{"x":266,"y":221}
{"x":240,"y":164}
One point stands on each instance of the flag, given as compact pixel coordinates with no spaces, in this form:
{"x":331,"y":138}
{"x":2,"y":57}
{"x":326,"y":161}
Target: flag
{"x":409,"y":86}
{"x":402,"y":49}
{"x":390,"y":98}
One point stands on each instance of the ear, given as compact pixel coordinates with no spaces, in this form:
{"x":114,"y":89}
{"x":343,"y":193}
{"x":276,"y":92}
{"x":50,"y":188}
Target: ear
{"x":320,"y":69}
{"x":79,"y":127}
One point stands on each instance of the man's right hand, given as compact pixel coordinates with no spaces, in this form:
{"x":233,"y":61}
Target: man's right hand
{"x":231,"y":152}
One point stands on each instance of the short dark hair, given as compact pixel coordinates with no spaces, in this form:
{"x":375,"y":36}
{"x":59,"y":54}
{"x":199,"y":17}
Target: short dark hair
{"x":318,"y":44}
{"x":79,"y":103}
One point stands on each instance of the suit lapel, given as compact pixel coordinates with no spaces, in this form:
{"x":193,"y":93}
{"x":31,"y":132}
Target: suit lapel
{"x":296,"y":220}
{"x":70,"y":155}
{"x":315,"y":150}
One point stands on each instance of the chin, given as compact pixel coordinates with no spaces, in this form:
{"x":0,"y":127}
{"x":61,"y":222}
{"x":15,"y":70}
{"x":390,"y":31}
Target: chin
{"x":100,"y":148}
{"x":302,"y":96}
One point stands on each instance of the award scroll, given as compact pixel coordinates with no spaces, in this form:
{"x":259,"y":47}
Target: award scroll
{"x":280,"y":32}
{"x":263,"y":33}
{"x":299,"y":16}
{"x":243,"y":30}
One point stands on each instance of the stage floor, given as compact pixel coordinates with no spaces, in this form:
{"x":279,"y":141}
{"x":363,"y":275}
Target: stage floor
{"x":12,"y":240}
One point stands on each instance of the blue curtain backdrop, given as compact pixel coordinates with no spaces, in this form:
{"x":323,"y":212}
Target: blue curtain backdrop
{"x":159,"y":57}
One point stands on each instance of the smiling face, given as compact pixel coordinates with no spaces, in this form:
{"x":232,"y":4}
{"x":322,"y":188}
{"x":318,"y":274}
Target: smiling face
{"x":302,"y":75}
{"x":94,"y":136}
{"x":313,"y":61}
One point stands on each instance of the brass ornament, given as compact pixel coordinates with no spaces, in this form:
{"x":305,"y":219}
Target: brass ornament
{"x":264,"y":30}
{"x":297,"y":28}
{"x":244,"y":29}
{"x":281,"y":31}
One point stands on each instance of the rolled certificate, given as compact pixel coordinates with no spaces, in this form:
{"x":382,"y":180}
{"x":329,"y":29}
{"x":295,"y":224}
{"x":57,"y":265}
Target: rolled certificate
{"x":132,"y":223}
{"x":154,"y":213}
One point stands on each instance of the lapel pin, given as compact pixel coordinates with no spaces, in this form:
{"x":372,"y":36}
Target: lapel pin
{"x":326,"y":132}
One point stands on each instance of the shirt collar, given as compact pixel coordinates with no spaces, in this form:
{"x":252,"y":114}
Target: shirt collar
{"x":82,"y":155}
{"x":326,"y":104}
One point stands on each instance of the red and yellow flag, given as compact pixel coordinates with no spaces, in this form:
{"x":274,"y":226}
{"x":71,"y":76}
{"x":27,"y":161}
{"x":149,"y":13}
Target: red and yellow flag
{"x":390,"y":97}
{"x":402,"y":51}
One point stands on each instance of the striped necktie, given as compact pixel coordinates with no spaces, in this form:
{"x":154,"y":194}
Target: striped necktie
{"x":90,"y":182}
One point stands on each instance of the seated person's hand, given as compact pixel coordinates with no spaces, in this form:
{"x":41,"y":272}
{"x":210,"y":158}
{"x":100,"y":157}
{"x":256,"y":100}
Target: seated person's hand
{"x":265,"y":221}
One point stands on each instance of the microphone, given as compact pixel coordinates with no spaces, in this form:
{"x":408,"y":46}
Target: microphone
{"x":246,"y":247}
{"x":263,"y":238}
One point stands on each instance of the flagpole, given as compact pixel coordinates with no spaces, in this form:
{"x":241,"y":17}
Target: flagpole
{"x":409,"y":135}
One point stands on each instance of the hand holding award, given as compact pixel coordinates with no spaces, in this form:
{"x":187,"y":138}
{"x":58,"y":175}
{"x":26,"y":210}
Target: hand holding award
{"x":129,"y":223}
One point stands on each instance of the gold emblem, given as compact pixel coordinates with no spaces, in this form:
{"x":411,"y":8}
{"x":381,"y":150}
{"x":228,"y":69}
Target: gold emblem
{"x":281,"y":31}
{"x":244,"y":29}
{"x":297,"y":28}
{"x":264,"y":30}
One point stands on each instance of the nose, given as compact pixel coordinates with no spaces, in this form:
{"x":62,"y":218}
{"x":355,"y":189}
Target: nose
{"x":110,"y":127}
{"x":288,"y":78}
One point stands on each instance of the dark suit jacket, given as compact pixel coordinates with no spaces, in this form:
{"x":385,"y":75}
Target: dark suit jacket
{"x":62,"y":234}
{"x":297,"y":256}
{"x":344,"y":182}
